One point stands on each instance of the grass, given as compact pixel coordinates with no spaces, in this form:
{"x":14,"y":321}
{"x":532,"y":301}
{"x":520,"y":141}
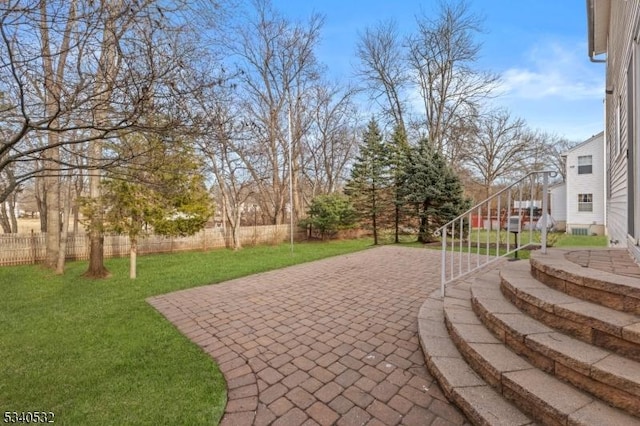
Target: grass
{"x":560,"y":239}
{"x":557,"y":239}
{"x":94,"y":352}
{"x":582,"y":241}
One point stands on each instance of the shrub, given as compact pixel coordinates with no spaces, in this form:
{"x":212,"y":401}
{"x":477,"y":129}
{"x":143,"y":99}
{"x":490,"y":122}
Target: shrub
{"x":329,"y":214}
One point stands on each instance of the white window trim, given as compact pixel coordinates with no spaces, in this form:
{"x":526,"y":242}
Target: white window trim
{"x":584,"y":162}
{"x":584,"y":204}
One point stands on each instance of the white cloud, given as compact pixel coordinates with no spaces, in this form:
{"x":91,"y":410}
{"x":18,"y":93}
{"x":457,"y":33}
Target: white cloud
{"x":554,"y":70}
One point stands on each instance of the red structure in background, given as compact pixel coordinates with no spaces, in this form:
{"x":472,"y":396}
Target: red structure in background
{"x":494,"y":220}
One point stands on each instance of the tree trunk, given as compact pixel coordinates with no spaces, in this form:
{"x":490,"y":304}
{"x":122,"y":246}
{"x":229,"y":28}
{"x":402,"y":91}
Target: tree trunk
{"x":374,"y":217}
{"x":397,"y":224}
{"x":424,"y":224}
{"x":237,"y":243}
{"x":76,"y":219}
{"x":76,"y":209}
{"x":235,"y":232}
{"x":96,"y":262}
{"x":12,"y":213}
{"x":108,"y":66}
{"x":62,"y":254}
{"x":52,"y":188}
{"x":4,"y":219}
{"x":133,"y":258}
{"x":96,"y":237}
{"x":53,"y":86}
{"x":41,"y":202}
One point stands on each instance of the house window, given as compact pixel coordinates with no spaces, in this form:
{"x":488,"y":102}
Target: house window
{"x":585,"y":202}
{"x":585,"y":165}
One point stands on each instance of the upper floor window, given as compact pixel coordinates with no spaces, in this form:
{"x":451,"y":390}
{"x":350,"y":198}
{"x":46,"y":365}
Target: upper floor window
{"x":585,"y":164}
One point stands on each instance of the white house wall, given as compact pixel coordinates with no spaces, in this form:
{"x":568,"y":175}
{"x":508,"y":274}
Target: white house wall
{"x":558,"y":198}
{"x":590,"y":183}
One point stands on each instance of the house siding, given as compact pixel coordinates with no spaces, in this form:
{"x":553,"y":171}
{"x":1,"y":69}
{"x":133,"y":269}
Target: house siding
{"x":622,"y":31}
{"x":558,"y":201}
{"x":590,"y":183}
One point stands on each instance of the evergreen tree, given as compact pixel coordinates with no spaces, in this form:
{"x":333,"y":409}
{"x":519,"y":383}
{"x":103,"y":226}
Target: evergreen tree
{"x":399,"y":149}
{"x":371,"y":179}
{"x":433,"y":188}
{"x":163,"y":190}
{"x":329,"y":214}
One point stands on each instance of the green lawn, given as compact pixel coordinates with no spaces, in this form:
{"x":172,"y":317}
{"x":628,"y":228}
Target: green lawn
{"x":94,"y":352}
{"x":582,"y":241}
{"x":557,"y":239}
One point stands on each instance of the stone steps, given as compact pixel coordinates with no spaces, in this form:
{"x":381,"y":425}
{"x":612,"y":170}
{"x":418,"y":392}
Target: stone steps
{"x":592,"y":323}
{"x":607,"y":375}
{"x":478,"y":401}
{"x":619,"y":292}
{"x":536,"y":392}
{"x":502,"y":366}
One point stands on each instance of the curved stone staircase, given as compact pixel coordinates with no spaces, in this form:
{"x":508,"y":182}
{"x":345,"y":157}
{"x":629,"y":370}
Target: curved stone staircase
{"x":544,"y":341}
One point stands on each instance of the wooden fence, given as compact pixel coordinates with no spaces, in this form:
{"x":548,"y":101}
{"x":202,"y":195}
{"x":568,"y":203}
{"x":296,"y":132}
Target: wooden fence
{"x":21,"y":249}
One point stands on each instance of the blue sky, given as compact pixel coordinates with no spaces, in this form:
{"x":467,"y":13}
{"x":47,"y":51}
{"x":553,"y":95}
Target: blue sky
{"x":539,"y":47}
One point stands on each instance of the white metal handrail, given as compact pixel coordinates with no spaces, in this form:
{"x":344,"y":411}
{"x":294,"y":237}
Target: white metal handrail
{"x":456,"y":235}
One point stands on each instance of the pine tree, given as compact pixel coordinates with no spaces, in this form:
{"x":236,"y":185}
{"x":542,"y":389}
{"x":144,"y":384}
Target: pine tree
{"x":433,"y":188}
{"x":328,"y":214}
{"x":163,"y":191}
{"x":371,"y":179}
{"x":399,"y":149}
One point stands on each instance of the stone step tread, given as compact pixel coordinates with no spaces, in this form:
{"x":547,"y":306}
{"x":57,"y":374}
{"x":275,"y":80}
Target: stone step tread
{"x":479,"y":401}
{"x":562,"y":402}
{"x":620,"y":324}
{"x":555,"y":397}
{"x":581,"y":356}
{"x":555,"y":263}
{"x":599,"y":366}
{"x":487,"y":288}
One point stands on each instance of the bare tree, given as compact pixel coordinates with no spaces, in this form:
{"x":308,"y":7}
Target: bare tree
{"x":8,"y":218}
{"x":331,"y":142}
{"x":278,"y":66}
{"x":549,"y":150}
{"x":383,"y":69}
{"x":497,"y":148}
{"x":89,"y":72}
{"x":442,"y":55}
{"x":221,"y":145}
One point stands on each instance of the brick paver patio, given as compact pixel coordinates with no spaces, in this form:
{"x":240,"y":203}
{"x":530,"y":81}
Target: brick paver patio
{"x":329,"y":342}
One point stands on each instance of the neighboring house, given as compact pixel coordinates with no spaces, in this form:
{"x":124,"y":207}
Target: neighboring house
{"x":585,"y":187}
{"x":578,"y":205}
{"x":558,"y":205}
{"x":613,"y":35}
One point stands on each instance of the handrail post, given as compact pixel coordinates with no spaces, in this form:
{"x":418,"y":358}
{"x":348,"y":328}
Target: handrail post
{"x":486,"y":204}
{"x":545,"y":209}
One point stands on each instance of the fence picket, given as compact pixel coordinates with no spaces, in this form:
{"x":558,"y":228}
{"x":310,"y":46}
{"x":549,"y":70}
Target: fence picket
{"x":21,"y":249}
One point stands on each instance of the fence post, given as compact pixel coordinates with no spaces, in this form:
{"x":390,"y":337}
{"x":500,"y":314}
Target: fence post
{"x":34,"y":252}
